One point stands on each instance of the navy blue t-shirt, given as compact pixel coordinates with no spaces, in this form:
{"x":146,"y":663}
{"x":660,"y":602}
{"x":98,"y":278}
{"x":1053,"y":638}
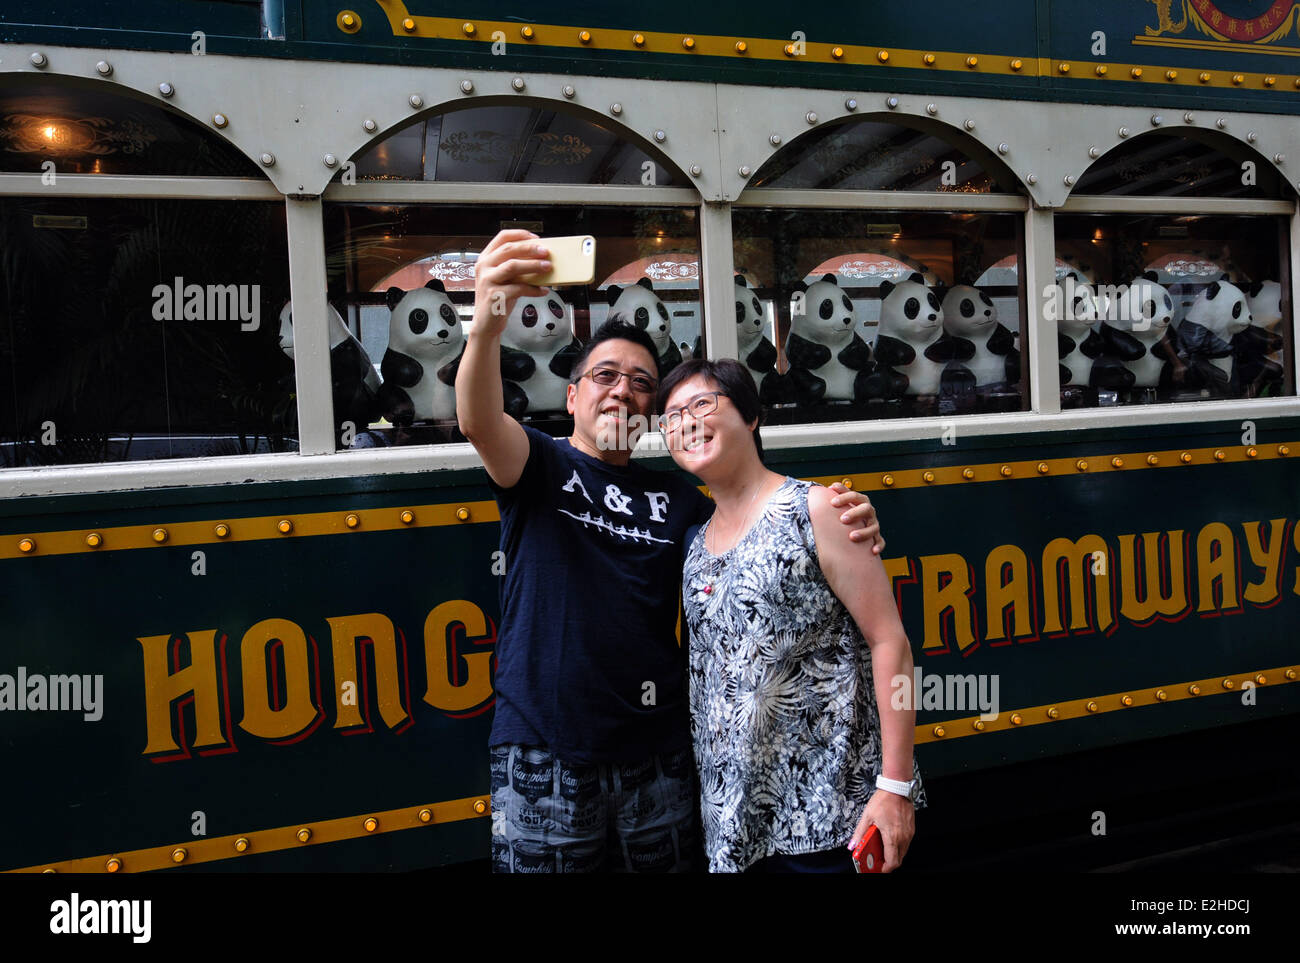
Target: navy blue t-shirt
{"x":588,"y":663}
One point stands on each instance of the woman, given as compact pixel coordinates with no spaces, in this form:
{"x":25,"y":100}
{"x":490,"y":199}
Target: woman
{"x":788,"y":739}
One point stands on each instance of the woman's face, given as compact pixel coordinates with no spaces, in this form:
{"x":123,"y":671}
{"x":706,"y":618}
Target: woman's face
{"x":706,"y":443}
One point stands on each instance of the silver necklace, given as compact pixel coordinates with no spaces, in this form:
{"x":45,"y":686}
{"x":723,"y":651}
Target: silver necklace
{"x":715,"y":563}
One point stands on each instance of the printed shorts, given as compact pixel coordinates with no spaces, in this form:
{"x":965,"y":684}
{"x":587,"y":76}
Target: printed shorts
{"x":552,"y":817}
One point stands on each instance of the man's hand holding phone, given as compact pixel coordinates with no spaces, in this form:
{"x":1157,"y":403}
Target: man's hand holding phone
{"x":499,"y":277}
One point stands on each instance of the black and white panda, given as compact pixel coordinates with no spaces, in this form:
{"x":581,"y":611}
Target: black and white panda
{"x":911,"y":349}
{"x":969,"y":313}
{"x":640,"y":305}
{"x":828,"y":359}
{"x":1215,"y":318}
{"x":425,"y":342}
{"x":355,"y":384}
{"x":755,"y":351}
{"x":537,"y":354}
{"x":1257,"y":351}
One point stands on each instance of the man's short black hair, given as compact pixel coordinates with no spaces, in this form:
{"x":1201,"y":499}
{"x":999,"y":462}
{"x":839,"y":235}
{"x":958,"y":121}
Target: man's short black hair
{"x":733,"y":380}
{"x":616,"y":327}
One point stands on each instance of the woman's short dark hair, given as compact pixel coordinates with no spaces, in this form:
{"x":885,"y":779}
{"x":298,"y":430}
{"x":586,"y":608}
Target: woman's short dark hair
{"x":733,"y":380}
{"x":616,"y":327}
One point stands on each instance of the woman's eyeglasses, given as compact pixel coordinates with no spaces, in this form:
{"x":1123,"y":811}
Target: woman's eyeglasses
{"x":705,"y":404}
{"x":641,"y":384}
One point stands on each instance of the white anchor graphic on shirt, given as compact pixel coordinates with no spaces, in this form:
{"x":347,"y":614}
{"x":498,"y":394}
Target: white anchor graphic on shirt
{"x":622,"y":531}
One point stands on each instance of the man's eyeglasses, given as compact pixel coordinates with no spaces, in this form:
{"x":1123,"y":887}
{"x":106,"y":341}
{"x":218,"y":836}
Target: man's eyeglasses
{"x":705,"y":404}
{"x":641,"y":384}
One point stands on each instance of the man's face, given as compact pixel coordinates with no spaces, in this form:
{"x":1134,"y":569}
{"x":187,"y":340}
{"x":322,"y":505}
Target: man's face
{"x":610,"y":418}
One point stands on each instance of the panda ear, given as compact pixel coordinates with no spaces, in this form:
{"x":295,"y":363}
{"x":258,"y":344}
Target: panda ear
{"x":885,"y":287}
{"x":392,"y":296}
{"x":612,"y":293}
{"x":645,"y":283}
{"x":832,"y":278}
{"x":1255,"y":288}
{"x":799,"y":286}
{"x":1151,"y":276}
{"x":917,"y":277}
{"x":740,"y":280}
{"x":436,"y":285}
{"x":1213,"y":291}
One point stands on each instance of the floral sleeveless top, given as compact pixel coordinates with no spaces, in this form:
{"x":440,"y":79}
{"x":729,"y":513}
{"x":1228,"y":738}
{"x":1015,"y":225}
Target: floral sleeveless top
{"x":783,"y":707}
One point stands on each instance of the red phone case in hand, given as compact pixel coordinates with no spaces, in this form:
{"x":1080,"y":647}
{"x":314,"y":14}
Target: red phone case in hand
{"x":869,"y":855}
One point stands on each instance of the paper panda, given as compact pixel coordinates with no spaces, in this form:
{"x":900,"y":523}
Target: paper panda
{"x":1137,"y":346}
{"x":354,"y":382}
{"x":1077,"y":344}
{"x":640,"y":305}
{"x":1257,"y":351}
{"x":968,"y":313}
{"x":755,"y":351}
{"x":910,"y":350}
{"x":1218,"y":314}
{"x":425,"y":344}
{"x":829,"y":361}
{"x":537,"y":354}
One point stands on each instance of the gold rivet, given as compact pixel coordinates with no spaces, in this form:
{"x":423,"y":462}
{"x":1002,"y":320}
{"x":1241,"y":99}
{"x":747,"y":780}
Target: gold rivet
{"x":284,"y":526}
{"x":1117,"y":462}
{"x":113,"y":865}
{"x":221,"y":530}
{"x":1091,"y":706}
{"x":160,"y":534}
{"x":1185,"y":457}
{"x":469,"y":29}
{"x":928,"y":60}
{"x":462,"y":513}
{"x":426,"y":815}
{"x":1053,"y":712}
{"x":847,"y":483}
{"x":978,"y":725}
{"x":1043,"y":468}
{"x":94,"y":539}
{"x":938,"y":732}
{"x":1283,"y":450}
{"x":1171,"y":75}
{"x":349,"y":20}
{"x":1063,"y":68}
{"x":1238,"y":78}
{"x":1219,"y":454}
{"x":1194,"y":689}
{"x":1015,"y":719}
{"x":1005,"y":471}
{"x":480,"y":806}
{"x":1101,"y":70}
{"x":1081,"y":465}
{"x":352,"y":521}
{"x":882,"y":56}
{"x":528,"y":33}
{"x":1136,"y":73}
{"x":927,"y":476}
{"x":887,"y":480}
{"x":371,"y":824}
{"x":741,"y":46}
{"x":1126,"y":700}
{"x":1269,"y":81}
{"x":1290,"y":674}
{"x":688,"y":43}
{"x":1160,"y":695}
{"x":179,"y":854}
{"x":1252,"y":452}
{"x":49,"y":869}
{"x":241,"y":844}
{"x":638,"y":39}
{"x":1153,"y":459}
{"x":972,"y":61}
{"x":1017,"y":64}
{"x":407,"y":516}
{"x":409,"y":25}
{"x":1228,"y":683}
{"x":1261,"y":679}
{"x":968,"y":473}
{"x":837,"y":52}
{"x":304,"y":834}
{"x":584,"y":36}
{"x":27,"y":545}
{"x":1204,"y":78}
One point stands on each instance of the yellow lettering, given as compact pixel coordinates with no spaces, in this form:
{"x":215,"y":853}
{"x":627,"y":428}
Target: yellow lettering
{"x":162,"y":687}
{"x":1077,"y":558}
{"x":1014,"y":593}
{"x":345,"y":632}
{"x":1269,"y":559}
{"x":1221,"y":568}
{"x":439,"y":629}
{"x":299,"y":711}
{"x":936,"y":599}
{"x":1156,"y":602}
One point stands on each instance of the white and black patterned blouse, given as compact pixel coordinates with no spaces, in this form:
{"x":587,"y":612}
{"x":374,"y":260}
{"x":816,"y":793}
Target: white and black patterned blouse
{"x":783,"y":707}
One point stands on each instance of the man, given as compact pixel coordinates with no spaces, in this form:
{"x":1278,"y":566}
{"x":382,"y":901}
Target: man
{"x":591,"y":760}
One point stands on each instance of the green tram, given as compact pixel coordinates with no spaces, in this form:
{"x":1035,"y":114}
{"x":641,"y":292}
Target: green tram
{"x":250,"y":591}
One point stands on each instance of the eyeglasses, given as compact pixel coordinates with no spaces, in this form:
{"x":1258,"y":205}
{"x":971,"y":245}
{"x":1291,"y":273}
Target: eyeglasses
{"x":705,"y":404}
{"x":641,"y":384}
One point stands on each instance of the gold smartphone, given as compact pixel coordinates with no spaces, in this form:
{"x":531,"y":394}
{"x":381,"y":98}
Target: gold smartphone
{"x":573,"y":261}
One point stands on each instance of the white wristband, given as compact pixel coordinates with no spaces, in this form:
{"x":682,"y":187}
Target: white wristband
{"x":903,"y":789}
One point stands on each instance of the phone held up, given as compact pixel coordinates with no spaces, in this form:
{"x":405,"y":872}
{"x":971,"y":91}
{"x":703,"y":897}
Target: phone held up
{"x":869,"y":855}
{"x":573,"y":261}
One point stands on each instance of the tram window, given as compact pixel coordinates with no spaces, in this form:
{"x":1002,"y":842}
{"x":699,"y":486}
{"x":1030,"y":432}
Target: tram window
{"x":1171,"y":308}
{"x":512,"y":144}
{"x":879,"y":314}
{"x":388,"y":262}
{"x":142,"y":329}
{"x":55,"y":128}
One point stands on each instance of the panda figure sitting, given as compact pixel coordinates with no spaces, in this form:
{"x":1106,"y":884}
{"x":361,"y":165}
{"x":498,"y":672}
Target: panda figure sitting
{"x":1257,"y":351}
{"x":642,"y":307}
{"x":754,"y":350}
{"x":356,"y":386}
{"x":911,"y":350}
{"x":829,"y":361}
{"x":425,"y":344}
{"x":969,"y":313}
{"x":1218,"y":315}
{"x":537,"y":355}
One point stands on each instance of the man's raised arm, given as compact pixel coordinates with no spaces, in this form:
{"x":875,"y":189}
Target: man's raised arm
{"x":480,"y":401}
